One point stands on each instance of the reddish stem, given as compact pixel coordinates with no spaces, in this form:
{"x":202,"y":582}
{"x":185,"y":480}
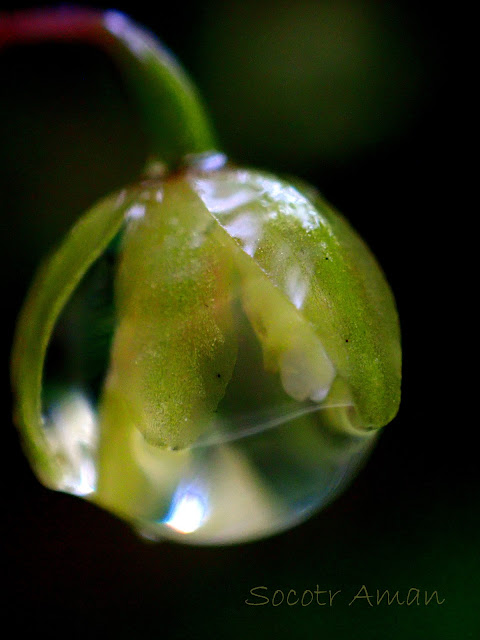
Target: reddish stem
{"x":37,"y":25}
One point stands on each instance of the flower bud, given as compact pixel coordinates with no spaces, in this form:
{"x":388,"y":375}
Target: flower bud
{"x":207,"y":355}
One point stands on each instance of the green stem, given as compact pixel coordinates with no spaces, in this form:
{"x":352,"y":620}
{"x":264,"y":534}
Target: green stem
{"x":169,"y":105}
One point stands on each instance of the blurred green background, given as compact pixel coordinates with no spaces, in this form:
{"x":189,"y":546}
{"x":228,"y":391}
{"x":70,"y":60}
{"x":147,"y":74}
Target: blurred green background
{"x":359,"y":98}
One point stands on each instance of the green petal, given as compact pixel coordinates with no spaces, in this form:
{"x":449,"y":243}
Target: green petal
{"x":314,"y":258}
{"x":48,"y":295}
{"x":174,"y":347}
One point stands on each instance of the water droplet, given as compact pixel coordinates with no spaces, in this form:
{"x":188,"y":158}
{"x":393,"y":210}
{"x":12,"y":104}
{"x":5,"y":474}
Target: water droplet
{"x":136,"y":411}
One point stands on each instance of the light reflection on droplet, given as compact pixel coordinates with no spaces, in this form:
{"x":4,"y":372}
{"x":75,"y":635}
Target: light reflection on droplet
{"x":224,"y":197}
{"x":246,"y":228}
{"x":189,"y":508}
{"x":136,"y":40}
{"x":135,"y":212}
{"x":71,"y":429}
{"x":208,"y":161}
{"x":121,"y":198}
{"x":296,"y":286}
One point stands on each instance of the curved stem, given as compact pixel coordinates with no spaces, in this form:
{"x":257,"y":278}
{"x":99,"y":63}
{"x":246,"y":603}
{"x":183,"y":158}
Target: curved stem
{"x":170,"y":108}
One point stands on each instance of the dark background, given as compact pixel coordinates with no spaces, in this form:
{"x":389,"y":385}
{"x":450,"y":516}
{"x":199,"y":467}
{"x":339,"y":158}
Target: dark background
{"x":361,"y":99}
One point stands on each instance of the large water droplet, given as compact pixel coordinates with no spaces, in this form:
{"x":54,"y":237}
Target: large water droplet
{"x":255,"y":446}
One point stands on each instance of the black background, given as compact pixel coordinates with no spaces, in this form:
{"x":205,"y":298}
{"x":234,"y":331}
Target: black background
{"x":68,"y":135}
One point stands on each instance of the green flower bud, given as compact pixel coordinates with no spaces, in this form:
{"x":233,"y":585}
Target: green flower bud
{"x":215,"y":329}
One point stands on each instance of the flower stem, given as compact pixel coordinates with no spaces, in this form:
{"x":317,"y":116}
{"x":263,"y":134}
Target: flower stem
{"x":169,"y":105}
